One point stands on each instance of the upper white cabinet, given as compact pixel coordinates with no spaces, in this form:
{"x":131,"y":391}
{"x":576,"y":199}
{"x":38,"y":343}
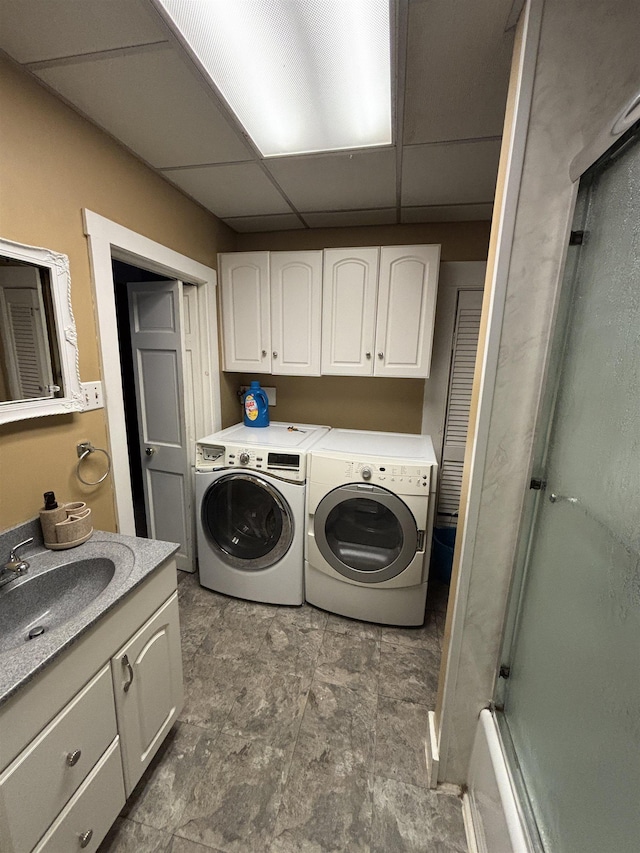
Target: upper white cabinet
{"x":296,"y":312}
{"x":348,"y":312}
{"x":349,"y":288}
{"x":379,"y":310}
{"x":407,"y":290}
{"x":246,"y":311}
{"x":272,"y":312}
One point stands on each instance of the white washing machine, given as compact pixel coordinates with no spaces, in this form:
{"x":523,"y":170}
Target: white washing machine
{"x":250,"y":505}
{"x":370,"y":511}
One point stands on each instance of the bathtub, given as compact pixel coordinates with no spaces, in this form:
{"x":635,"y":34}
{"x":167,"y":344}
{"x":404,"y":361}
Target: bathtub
{"x":493,"y":818}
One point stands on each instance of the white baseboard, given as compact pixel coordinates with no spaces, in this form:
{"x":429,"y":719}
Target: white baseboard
{"x":431,"y":751}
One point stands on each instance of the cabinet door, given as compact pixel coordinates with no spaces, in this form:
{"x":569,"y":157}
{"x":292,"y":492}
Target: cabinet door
{"x":147,"y":681}
{"x":296,"y":312}
{"x":407,"y":292}
{"x":246,"y":323}
{"x":349,"y":285}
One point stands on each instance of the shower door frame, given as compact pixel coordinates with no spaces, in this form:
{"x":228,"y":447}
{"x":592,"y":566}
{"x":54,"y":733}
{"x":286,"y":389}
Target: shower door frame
{"x":603,"y":145}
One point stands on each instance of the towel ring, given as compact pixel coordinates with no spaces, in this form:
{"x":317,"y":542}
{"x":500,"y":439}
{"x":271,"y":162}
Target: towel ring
{"x":85,"y":448}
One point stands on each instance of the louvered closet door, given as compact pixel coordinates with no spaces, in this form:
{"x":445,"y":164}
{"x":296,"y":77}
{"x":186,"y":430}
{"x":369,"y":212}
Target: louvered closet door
{"x":465,"y":345}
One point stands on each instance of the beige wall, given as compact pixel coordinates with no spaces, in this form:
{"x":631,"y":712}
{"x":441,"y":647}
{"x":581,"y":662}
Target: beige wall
{"x":351,"y":402}
{"x":460,"y":241}
{"x":54,"y":164}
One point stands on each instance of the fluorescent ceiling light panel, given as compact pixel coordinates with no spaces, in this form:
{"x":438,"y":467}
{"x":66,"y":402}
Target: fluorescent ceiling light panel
{"x":300,"y":75}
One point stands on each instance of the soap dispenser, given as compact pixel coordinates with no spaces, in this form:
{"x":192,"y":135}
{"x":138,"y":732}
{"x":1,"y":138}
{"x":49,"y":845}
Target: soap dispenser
{"x":50,"y":514}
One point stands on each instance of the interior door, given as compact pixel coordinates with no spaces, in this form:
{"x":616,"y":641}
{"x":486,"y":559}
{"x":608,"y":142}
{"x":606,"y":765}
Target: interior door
{"x":156,"y":340}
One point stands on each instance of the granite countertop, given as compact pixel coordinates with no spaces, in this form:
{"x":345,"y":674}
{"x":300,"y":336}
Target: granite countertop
{"x":135,"y":560}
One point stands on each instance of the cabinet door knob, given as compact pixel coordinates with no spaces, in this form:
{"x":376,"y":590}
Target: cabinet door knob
{"x":264,"y":352}
{"x":73,"y":757}
{"x":368,"y":354}
{"x":149,"y":451}
{"x":380,"y":355}
{"x":127,"y":684}
{"x":275,"y":354}
{"x":86,"y":837}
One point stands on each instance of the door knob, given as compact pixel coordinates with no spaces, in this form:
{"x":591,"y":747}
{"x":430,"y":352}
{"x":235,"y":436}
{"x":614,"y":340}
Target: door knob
{"x":149,"y":451}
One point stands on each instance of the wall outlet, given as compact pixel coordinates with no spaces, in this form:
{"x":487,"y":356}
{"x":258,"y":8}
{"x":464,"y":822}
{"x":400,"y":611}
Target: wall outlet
{"x":92,"y":393}
{"x":270,"y":392}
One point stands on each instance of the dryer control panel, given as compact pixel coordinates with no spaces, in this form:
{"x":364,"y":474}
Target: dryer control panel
{"x":404,"y":478}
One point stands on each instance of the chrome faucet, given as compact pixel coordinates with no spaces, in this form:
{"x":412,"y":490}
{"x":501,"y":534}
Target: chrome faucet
{"x":15,"y":566}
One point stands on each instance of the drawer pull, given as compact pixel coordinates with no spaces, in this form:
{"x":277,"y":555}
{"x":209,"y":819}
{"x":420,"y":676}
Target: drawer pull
{"x":73,"y":757}
{"x":86,"y":837}
{"x":125,"y":663}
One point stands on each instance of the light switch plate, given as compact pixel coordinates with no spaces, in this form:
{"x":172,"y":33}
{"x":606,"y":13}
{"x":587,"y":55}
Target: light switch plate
{"x":92,"y":393}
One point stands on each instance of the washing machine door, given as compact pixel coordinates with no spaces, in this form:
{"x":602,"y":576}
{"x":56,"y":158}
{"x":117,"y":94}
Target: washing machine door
{"x":366,"y":533}
{"x":246,"y":521}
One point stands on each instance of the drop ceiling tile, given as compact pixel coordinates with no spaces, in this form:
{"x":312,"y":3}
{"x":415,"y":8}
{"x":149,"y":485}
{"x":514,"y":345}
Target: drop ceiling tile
{"x":346,"y":218}
{"x":33,"y":30}
{"x":339,"y":181}
{"x":235,"y":190}
{"x":153,"y":102}
{"x":281,"y":222}
{"x":458,"y":62}
{"x":458,"y":173}
{"x":447,"y":213}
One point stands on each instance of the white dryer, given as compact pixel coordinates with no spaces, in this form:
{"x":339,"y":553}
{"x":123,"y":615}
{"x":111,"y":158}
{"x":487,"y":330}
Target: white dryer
{"x":250,"y":505}
{"x":370,"y":511}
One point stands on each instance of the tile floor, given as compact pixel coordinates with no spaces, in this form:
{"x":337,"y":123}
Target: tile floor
{"x":301,"y":731}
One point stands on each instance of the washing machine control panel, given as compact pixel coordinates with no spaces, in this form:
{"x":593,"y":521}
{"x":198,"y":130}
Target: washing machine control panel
{"x":289,"y":466}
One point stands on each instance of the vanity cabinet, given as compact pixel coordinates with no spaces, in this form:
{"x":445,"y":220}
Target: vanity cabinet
{"x":147,"y":683}
{"x":379,"y":310}
{"x":271,"y":312}
{"x":76,"y":739}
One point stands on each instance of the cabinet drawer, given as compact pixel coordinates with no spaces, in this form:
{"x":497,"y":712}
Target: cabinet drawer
{"x":36,"y":786}
{"x":92,"y":810}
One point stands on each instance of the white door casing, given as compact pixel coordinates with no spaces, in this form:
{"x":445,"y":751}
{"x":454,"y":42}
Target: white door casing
{"x":108,"y":240}
{"x":156,"y":342}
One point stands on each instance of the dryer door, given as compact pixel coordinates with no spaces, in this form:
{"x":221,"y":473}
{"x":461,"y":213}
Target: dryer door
{"x":366,"y":533}
{"x":247,"y":521}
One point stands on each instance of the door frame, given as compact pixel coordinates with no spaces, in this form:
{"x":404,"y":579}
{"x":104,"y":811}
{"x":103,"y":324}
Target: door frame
{"x":106,"y":241}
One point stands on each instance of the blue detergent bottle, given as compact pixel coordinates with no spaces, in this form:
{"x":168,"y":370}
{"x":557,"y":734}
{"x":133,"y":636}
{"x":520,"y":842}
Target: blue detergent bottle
{"x":256,"y":406}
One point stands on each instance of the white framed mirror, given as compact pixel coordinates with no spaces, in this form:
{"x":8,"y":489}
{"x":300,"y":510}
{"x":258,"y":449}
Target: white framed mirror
{"x":39,"y":372}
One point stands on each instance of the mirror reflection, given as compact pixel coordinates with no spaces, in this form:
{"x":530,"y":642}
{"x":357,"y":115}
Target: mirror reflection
{"x":29,"y":355}
{"x":39,"y":364}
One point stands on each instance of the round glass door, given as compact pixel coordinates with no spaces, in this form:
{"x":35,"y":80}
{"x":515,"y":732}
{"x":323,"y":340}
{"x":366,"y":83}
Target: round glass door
{"x":247,"y":521}
{"x":365,"y":533}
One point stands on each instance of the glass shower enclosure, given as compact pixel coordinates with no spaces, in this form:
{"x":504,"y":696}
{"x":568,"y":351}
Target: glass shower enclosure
{"x":569,"y":697}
